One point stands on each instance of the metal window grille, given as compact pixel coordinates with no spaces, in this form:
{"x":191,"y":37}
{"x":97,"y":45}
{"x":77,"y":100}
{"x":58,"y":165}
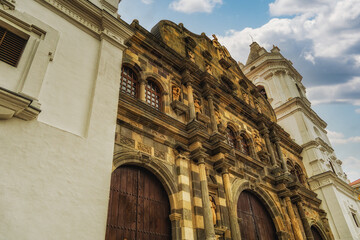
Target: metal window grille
{"x":231,"y":138}
{"x":129,"y":83}
{"x":153,"y":95}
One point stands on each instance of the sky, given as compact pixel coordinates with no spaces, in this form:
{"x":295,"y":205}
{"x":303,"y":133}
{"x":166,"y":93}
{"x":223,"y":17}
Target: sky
{"x":320,"y":37}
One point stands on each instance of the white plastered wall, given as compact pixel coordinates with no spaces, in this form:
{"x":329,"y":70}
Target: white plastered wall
{"x":55,"y":170}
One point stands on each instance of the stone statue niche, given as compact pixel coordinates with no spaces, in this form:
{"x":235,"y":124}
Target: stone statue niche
{"x":191,"y":55}
{"x":213,"y":208}
{"x":197,"y":105}
{"x":176,"y":92}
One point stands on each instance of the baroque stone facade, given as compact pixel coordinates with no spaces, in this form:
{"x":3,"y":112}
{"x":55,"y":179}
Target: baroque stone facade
{"x":189,"y":115}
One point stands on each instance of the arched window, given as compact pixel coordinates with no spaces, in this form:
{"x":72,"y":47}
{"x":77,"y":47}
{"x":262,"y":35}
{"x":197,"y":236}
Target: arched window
{"x":262,"y":91}
{"x":244,"y":145}
{"x":231,"y":138}
{"x":153,"y":95}
{"x":298,"y":173}
{"x":129,"y":82}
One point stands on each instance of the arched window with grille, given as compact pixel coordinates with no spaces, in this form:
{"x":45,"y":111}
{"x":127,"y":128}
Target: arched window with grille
{"x":244,"y":145}
{"x":129,"y":82}
{"x":153,"y":94}
{"x":231,"y":138}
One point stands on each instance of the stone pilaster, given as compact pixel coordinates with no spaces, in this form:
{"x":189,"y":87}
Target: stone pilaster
{"x":142,"y":84}
{"x":183,"y":197}
{"x":294,"y":223}
{"x":307,"y":228}
{"x":280,"y":154}
{"x":265,"y":132}
{"x":208,"y":220}
{"x":234,"y":224}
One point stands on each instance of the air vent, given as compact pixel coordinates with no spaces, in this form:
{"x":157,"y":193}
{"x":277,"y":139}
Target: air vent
{"x":11,"y":47}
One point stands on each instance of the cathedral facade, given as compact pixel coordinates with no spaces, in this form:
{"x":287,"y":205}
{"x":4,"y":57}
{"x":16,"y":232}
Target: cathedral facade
{"x":110,"y":131}
{"x":198,"y":153}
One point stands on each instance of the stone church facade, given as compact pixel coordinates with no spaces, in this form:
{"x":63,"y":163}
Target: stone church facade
{"x":197,"y":142}
{"x":111,"y":131}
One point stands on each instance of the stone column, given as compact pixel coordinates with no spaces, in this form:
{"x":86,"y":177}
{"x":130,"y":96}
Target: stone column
{"x":306,"y":225}
{"x":281,"y":156}
{"x":191,"y":101}
{"x":234,"y":224}
{"x":269,"y":147}
{"x":208,"y":220}
{"x":212,"y":113}
{"x":294,"y":224}
{"x":183,"y":196}
{"x":175,"y":219}
{"x":142,"y":83}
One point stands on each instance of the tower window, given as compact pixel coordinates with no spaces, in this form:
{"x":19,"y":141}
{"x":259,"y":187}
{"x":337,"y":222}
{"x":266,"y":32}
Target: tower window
{"x":129,"y":82}
{"x":11,"y":47}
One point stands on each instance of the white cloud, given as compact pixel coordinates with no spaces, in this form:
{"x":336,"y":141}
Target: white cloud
{"x":348,"y":92}
{"x":339,"y":138}
{"x":147,"y":1}
{"x":322,"y":28}
{"x":351,"y":165}
{"x":192,"y":6}
{"x":357,"y":110}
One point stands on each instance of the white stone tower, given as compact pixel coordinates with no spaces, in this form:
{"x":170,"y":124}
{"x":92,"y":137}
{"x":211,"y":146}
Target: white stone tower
{"x":281,"y":84}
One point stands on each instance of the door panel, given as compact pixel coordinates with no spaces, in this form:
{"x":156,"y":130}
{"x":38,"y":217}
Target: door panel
{"x":138,"y":207}
{"x":256,"y":222}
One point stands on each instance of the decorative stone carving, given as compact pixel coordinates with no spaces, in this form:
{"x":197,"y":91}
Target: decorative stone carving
{"x":127,"y":141}
{"x":179,"y":108}
{"x":258,"y":144}
{"x":144,"y":148}
{"x":208,"y":68}
{"x":197,"y":105}
{"x":217,"y":117}
{"x":191,"y":55}
{"x":176,"y":93}
{"x":213,"y":209}
{"x":246,"y":98}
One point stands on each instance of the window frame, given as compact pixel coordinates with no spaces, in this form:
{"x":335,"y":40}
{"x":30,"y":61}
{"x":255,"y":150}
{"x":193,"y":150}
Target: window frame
{"x":154,"y":99}
{"x":131,"y":83}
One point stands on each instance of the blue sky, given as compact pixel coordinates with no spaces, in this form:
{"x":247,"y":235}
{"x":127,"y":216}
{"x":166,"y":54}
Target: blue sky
{"x":321,"y":38}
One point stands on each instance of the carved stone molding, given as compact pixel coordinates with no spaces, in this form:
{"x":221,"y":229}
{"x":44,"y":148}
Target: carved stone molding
{"x":15,"y":105}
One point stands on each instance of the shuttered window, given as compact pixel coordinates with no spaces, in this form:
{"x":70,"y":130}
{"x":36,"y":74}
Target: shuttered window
{"x":11,"y":47}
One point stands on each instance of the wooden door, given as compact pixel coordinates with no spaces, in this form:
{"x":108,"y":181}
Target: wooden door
{"x":256,"y":223}
{"x":316,"y":234}
{"x":138,"y":207}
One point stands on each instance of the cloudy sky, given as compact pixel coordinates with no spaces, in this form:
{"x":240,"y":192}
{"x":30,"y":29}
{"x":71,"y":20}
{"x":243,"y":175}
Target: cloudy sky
{"x":321,"y":38}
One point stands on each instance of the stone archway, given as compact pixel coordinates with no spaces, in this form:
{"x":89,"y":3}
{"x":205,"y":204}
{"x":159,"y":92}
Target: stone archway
{"x":139,"y":206}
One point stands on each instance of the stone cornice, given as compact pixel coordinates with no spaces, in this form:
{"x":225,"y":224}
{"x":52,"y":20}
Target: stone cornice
{"x":15,"y":105}
{"x":329,"y":178}
{"x":272,"y":65}
{"x":92,"y":19}
{"x":300,"y":106}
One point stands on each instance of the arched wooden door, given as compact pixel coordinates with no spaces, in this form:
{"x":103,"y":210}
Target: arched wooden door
{"x":256,"y":223}
{"x":138,"y":207}
{"x":316,"y":234}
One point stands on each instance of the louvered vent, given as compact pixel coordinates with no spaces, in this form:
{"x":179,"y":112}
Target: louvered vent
{"x":11,"y":47}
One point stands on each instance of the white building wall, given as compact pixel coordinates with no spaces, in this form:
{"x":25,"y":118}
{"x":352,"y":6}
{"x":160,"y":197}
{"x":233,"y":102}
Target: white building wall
{"x":55,"y":170}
